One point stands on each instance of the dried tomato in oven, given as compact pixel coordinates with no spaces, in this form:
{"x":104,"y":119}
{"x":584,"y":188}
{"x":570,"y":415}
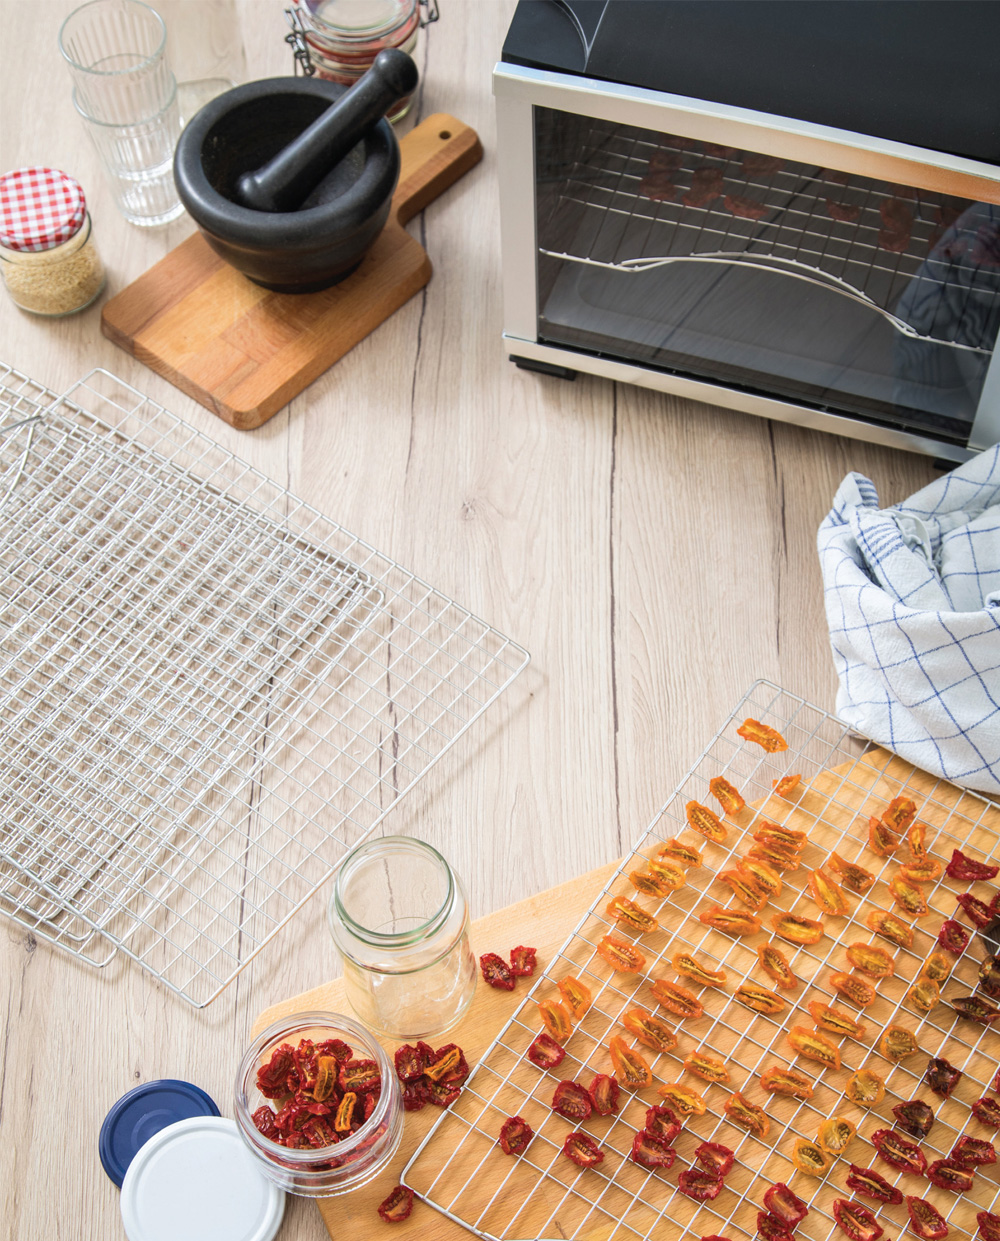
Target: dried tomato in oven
{"x":604,"y":1092}
{"x":786,"y":1204}
{"x":678,"y":851}
{"x":715,"y":1158}
{"x":873,"y":1185}
{"x":631,"y":1069}
{"x":854,"y":988}
{"x":852,"y":876}
{"x":865,"y":1088}
{"x":810,"y":1157}
{"x":577,"y":996}
{"x":988,"y":1226}
{"x":759,"y":998}
{"x":690,"y":967}
{"x":797,"y":929}
{"x":631,"y":916}
{"x":787,"y":785}
{"x":953,"y":937}
{"x":835,"y":1134}
{"x":898,"y":1152}
{"x":397,"y":1206}
{"x":649,"y":1030}
{"x":662,"y":1121}
{"x":775,"y":964}
{"x":582,"y":1150}
{"x":915,"y":1118}
{"x":515,"y":1134}
{"x":979,"y":912}
{"x":741,"y":1111}
{"x":545,"y":1052}
{"x":497,"y":972}
{"x":571,"y":1100}
{"x":765,"y":736}
{"x":880,"y":839}
{"x":908,"y":896}
{"x":649,"y":1151}
{"x":625,"y":958}
{"x":687,"y":1102}
{"x":975,"y":1008}
{"x":948,"y":1174}
{"x":888,"y":926}
{"x":856,"y":1221}
{"x":730,"y":921}
{"x":705,"y":821}
{"x":726,"y":794}
{"x":699,"y":1184}
{"x":813,"y":1046}
{"x":871,"y":960}
{"x":926,"y":1221}
{"x":556,"y":1019}
{"x":708,"y":1068}
{"x":896,"y":1043}
{"x":522,"y":961}
{"x":676,"y":999}
{"x":776,"y":1080}
{"x":987,"y":1111}
{"x":828,"y":894}
{"x":967,"y":868}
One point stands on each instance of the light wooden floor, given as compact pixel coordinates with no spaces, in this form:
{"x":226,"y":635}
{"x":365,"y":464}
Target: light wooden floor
{"x":654,"y":555}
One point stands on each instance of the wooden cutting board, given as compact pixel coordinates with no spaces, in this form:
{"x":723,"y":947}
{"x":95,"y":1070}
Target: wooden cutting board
{"x":244,"y":352}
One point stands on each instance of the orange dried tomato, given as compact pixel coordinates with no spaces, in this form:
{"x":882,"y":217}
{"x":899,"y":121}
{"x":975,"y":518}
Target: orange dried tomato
{"x":731,"y":921}
{"x":828,"y":894}
{"x":676,"y":999}
{"x":726,"y":795}
{"x":854,"y":988}
{"x":814,"y":1047}
{"x":556,"y":1019}
{"x":899,"y":814}
{"x":937,"y":967}
{"x":628,"y":914}
{"x":649,"y":1030}
{"x":865,"y":1088}
{"x":922,"y":870}
{"x":687,"y":965}
{"x":889,"y":927}
{"x":851,"y":874}
{"x":810,"y":1157}
{"x":796,"y":929}
{"x":651,"y":885}
{"x":706,"y":1067}
{"x":626,"y":958}
{"x":908,"y":896}
{"x":769,"y":738}
{"x":924,"y":995}
{"x":787,"y":838}
{"x":835,"y":1020}
{"x":835,"y":1134}
{"x":777,"y":858}
{"x":577,"y":995}
{"x":759,"y":998}
{"x":345,"y":1112}
{"x":871,"y":960}
{"x":880,"y":839}
{"x":745,"y":889}
{"x":761,"y":873}
{"x":747,"y":1115}
{"x":776,"y":1080}
{"x":631,"y":1069}
{"x":787,"y":785}
{"x":705,"y":821}
{"x":916,"y":838}
{"x":896,"y":1043}
{"x":678,"y":851}
{"x":681,"y":1099}
{"x":775,"y":964}
{"x":667,"y":870}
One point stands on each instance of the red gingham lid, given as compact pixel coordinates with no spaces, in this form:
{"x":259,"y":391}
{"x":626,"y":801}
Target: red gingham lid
{"x":39,"y":208}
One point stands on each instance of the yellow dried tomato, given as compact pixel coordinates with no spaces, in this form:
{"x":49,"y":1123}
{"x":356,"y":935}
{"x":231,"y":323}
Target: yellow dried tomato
{"x":731,"y":921}
{"x":796,"y":929}
{"x":744,"y":888}
{"x":747,"y":1115}
{"x":778,"y":859}
{"x":649,"y":1030}
{"x":577,"y":995}
{"x":835,"y":1134}
{"x":628,"y":914}
{"x":880,"y":839}
{"x":853,"y":987}
{"x":787,"y":785}
{"x":670,"y":872}
{"x":889,"y":927}
{"x":937,"y":967}
{"x":556,"y":1019}
{"x":865,"y":1088}
{"x":810,"y":1157}
{"x":909,"y":896}
{"x":769,"y":738}
{"x":777,"y":1080}
{"x":684,"y":1101}
{"x":631,"y":1069}
{"x":916,"y":838}
{"x":761,"y":873}
{"x":924,"y":995}
{"x":651,"y":885}
{"x":851,"y":874}
{"x":687,"y":965}
{"x":814,"y":1047}
{"x":775,"y":964}
{"x":896,"y":1043}
{"x":787,"y":838}
{"x":828,"y":894}
{"x":871,"y":960}
{"x":676,"y":999}
{"x":899,"y":814}
{"x":678,"y":851}
{"x":705,"y":821}
{"x":726,"y":795}
{"x":922,"y":870}
{"x":835,"y":1020}
{"x":621,"y":956}
{"x":706,"y":1067}
{"x":759,"y":998}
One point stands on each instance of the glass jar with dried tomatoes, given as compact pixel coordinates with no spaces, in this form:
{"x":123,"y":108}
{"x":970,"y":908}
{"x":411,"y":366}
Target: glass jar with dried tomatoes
{"x":292,"y":1096}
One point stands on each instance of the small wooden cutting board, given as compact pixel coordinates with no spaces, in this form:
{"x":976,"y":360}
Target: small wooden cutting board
{"x":244,"y":352}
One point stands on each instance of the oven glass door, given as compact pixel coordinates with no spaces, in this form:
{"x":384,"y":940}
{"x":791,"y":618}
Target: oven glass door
{"x":845,"y":294}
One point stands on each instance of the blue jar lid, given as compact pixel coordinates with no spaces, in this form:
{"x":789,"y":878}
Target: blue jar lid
{"x":143,"y":1112}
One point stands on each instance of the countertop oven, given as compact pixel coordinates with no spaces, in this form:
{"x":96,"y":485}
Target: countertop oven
{"x":791,"y":208}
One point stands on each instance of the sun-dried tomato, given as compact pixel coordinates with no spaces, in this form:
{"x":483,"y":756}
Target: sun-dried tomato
{"x":679,"y":851}
{"x":854,"y":988}
{"x":662,"y":1121}
{"x":326,"y":1078}
{"x":730,"y":921}
{"x":898,"y":1152}
{"x":397,"y":1206}
{"x":896,"y":1043}
{"x":604,"y":1092}
{"x":865,"y":1088}
{"x":828,"y":894}
{"x":989,"y":977}
{"x":705,"y":821}
{"x":915,"y":1118}
{"x":741,"y":1111}
{"x":263,"y":1119}
{"x":621,"y":956}
{"x":937,"y":967}
{"x":759,"y":998}
{"x":699,"y":1184}
{"x":775,"y":964}
{"x":810,"y":1157}
{"x":632,"y":1070}
{"x":776,"y":1080}
{"x":787,"y":785}
{"x":953,"y":937}
{"x":880,"y":839}
{"x":916,"y":838}
{"x":690,"y":967}
{"x":852,"y":876}
{"x":790,"y":839}
{"x":272,"y":1078}
{"x":649,"y":1030}
{"x":888,"y":926}
{"x":922,"y":870}
{"x":522,"y":961}
{"x":785,"y":1203}
{"x":962,"y":866}
{"x":582,"y":1150}
{"x":683,"y":1100}
{"x":924,"y":995}
{"x":413,"y":1096}
{"x":515,"y":1134}
{"x":908,"y":896}
{"x":835,"y":1134}
{"x":449,"y":1065}
{"x":975,"y":1008}
{"x":545,"y":1052}
{"x":856,"y":1221}
{"x":926,"y":1221}
{"x":440,"y":1094}
{"x":577,"y":995}
{"x":345,"y":1112}
{"x":630,"y":915}
{"x":497,"y":972}
{"x":970,"y":1152}
{"x":556,"y":1019}
{"x":359,"y":1076}
{"x":649,"y":1151}
{"x":797,"y":929}
{"x":871,"y":960}
{"x":979,"y":912}
{"x":769,"y":738}
{"x":987,"y":1110}
{"x":572,"y":1100}
{"x":772,"y":1227}
{"x":728,"y":796}
{"x":715,"y":1158}
{"x":873,"y":1185}
{"x":762,"y":874}
{"x":669,"y":872}
{"x":948,"y":1174}
{"x":899,"y":814}
{"x":676,"y":999}
{"x":775,"y":857}
{"x":814,"y":1047}
{"x":988,"y":1226}
{"x":708,"y":1068}
{"x":410,"y":1063}
{"x":651,"y":885}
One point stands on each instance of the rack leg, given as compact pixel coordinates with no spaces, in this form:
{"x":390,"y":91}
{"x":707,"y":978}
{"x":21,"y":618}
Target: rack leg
{"x":543,"y":368}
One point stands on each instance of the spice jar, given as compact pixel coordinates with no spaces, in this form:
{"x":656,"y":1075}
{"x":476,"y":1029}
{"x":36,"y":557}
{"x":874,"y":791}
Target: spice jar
{"x":48,"y":259}
{"x":400,"y":920}
{"x":339,"y":39}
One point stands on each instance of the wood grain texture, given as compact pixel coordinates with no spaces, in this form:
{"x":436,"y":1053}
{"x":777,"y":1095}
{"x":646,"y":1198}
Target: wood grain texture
{"x":654,"y":555}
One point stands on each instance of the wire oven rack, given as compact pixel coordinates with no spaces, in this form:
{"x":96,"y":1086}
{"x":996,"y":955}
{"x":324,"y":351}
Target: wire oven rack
{"x":209,"y":691}
{"x":458,"y":1168}
{"x":624,"y":230}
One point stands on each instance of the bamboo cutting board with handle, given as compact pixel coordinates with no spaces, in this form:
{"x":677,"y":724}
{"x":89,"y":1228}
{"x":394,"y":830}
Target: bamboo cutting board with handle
{"x":244,"y":352}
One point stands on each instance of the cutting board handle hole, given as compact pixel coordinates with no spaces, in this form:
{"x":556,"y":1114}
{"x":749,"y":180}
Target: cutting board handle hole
{"x":444,"y":135}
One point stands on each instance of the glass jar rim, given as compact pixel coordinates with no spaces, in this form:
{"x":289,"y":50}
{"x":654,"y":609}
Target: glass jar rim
{"x":390,"y":939}
{"x":360,"y":35}
{"x":149,"y":58}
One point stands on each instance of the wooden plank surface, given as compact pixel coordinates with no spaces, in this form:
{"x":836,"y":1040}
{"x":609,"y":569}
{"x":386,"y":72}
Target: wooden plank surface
{"x":655,"y":555}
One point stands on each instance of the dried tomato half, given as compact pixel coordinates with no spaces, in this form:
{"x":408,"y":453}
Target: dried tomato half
{"x":582,"y":1150}
{"x":571,"y":1100}
{"x":865,"y":1088}
{"x":786,"y":1204}
{"x":545,"y":1052}
{"x":926,"y":1221}
{"x":632,"y":1070}
{"x":909,"y":896}
{"x":790,"y":839}
{"x":851,"y":874}
{"x":836,"y":1020}
{"x":705,"y":821}
{"x":765,"y":876}
{"x":969,"y":1152}
{"x":577,"y":995}
{"x":979,"y":912}
{"x":828,"y":894}
{"x":856,"y":1221}
{"x":522,"y":961}
{"x":924,"y":995}
{"x":988,"y":1226}
{"x":937,"y":967}
{"x":922,"y":870}
{"x":397,"y":1206}
{"x":650,"y":1151}
{"x":448,"y":1065}
{"x":963,"y":867}
{"x":854,"y":988}
{"x":361,"y":1076}
{"x":515,"y":1134}
{"x":880,"y":839}
{"x":916,"y":838}
{"x":556,"y":1018}
{"x":687,"y":1102}
{"x":708,"y":1068}
{"x":759,"y":998}
{"x":741,"y":1111}
{"x":772,"y":1227}
{"x":776,"y":1080}
{"x":730,"y":921}
{"x":497,"y":972}
{"x":649,"y":1030}
{"x":662,"y":1121}
{"x":871,"y":960}
{"x":621,"y":956}
{"x":989,"y":977}
{"x":898,"y":1152}
{"x":714,"y":1157}
{"x":688,"y":966}
{"x":915,"y":1118}
{"x":873,"y":1185}
{"x":769,"y":738}
{"x":775,"y":964}
{"x":796,"y":929}
{"x":669,"y":872}
{"x":947,"y":1174}
{"x":775,"y":857}
{"x":263,"y":1120}
{"x":699,"y":1184}
{"x":651,"y":885}
{"x":604,"y":1092}
{"x":975,"y":1008}
{"x":628,"y":914}
{"x":835,"y":1134}
{"x":787,"y":785}
{"x":744,"y":888}
{"x":987,"y":1110}
{"x":896,"y":1043}
{"x":813,"y":1046}
{"x":680,"y":851}
{"x":888,"y":926}
{"x":810,"y":1157}
{"x":728,"y":797}
{"x":410,"y":1062}
{"x":676,"y":999}
{"x":899,"y":814}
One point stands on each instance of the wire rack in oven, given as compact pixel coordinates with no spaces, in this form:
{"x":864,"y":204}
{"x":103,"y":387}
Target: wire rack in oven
{"x":459,"y":1168}
{"x":944,"y":286}
{"x":208,"y":690}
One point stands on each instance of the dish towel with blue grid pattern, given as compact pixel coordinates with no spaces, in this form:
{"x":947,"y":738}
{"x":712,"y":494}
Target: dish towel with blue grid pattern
{"x":912,"y":598}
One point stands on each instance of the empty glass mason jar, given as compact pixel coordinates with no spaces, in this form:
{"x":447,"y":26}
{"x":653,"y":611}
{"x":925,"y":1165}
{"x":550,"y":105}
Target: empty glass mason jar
{"x":400,"y":920}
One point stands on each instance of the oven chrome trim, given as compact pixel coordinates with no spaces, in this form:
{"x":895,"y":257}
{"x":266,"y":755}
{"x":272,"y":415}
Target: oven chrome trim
{"x":518,"y":250}
{"x":805,"y":141}
{"x":741,"y":402}
{"x":986,"y":426}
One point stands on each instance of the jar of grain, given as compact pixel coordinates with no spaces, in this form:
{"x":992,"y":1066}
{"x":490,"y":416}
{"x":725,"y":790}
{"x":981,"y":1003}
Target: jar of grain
{"x":48,"y":259}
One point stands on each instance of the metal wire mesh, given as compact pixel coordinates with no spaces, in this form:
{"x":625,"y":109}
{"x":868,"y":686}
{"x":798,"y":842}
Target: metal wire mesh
{"x":459,"y":1168}
{"x":208,"y":691}
{"x":602,"y":202}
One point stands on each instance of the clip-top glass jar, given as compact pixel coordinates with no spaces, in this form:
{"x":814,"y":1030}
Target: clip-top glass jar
{"x":339,"y":39}
{"x":400,"y":920}
{"x":48,"y":259}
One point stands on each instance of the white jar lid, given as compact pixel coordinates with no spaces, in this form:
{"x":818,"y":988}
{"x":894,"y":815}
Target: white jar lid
{"x":196,"y":1179}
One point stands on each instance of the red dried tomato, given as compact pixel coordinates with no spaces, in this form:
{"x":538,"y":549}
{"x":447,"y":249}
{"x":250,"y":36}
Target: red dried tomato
{"x":410,"y":1063}
{"x":650,"y":1151}
{"x":582,"y":1150}
{"x":948,"y":1174}
{"x":359,"y":1076}
{"x":604,"y":1092}
{"x":942,"y":1077}
{"x":785,"y":1203}
{"x":969,"y":1152}
{"x":715,"y":1158}
{"x":967,"y":868}
{"x":856,"y":1221}
{"x":497,"y":972}
{"x":397,"y":1206}
{"x":545,"y":1052}
{"x":915,"y":1118}
{"x":772,"y":1227}
{"x":975,"y":1008}
{"x":953,"y":937}
{"x":272,"y":1078}
{"x":661,"y":1120}
{"x":263,"y":1119}
{"x":515,"y":1134}
{"x":873,"y":1185}
{"x":413,"y":1097}
{"x":926,"y":1221}
{"x":522,"y":961}
{"x":572,"y":1100}
{"x":899,"y":1153}
{"x":699,"y":1184}
{"x":979,"y":912}
{"x":988,"y":1226}
{"x":989,"y":977}
{"x":769,"y":738}
{"x":987,"y":1110}
{"x":449,"y":1065}
{"x":440,"y":1094}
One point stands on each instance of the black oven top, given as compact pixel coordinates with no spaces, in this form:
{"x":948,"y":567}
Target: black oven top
{"x":923,"y":72}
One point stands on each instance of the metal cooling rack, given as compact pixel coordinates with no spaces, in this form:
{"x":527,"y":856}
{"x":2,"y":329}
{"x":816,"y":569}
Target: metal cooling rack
{"x":624,"y":230}
{"x":459,"y":1169}
{"x":209,"y":691}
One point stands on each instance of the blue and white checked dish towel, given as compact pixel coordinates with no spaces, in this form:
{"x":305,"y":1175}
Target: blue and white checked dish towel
{"x":913,"y":603}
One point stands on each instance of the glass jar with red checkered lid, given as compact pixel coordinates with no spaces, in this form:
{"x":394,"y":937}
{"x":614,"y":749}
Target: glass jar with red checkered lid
{"x":48,"y":259}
